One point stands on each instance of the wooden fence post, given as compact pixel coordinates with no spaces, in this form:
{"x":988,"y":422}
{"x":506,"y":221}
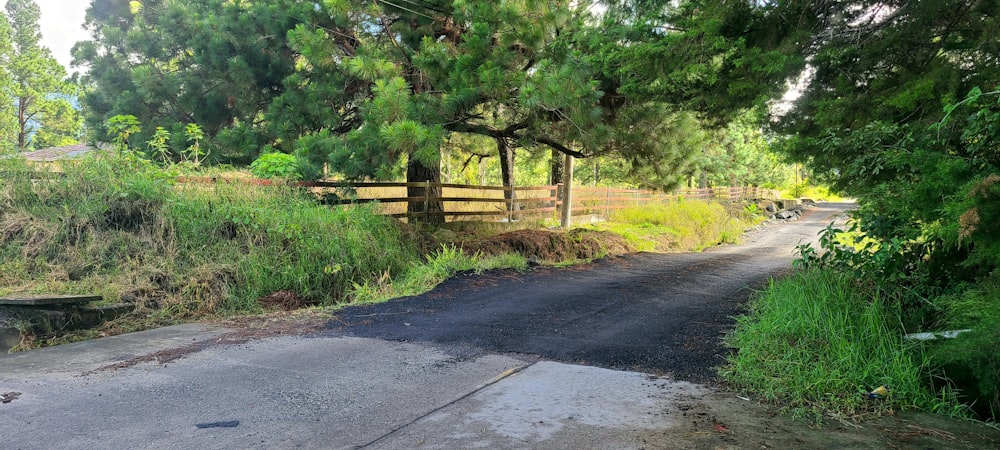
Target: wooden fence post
{"x":567,"y":209}
{"x":607,"y":205}
{"x":427,"y":198}
{"x":556,"y":193}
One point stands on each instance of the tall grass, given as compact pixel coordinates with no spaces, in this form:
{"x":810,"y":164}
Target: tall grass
{"x":682,"y":225}
{"x":818,"y":344}
{"x":969,"y":362}
{"x":123,"y":228}
{"x":422,"y":276}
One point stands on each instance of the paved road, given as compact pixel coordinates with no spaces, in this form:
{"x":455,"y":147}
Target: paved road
{"x":656,"y":313}
{"x":456,"y":368}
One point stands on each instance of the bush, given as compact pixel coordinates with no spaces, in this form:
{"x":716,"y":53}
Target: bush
{"x":969,"y":362}
{"x":276,"y":165}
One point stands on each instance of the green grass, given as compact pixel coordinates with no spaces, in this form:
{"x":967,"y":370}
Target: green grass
{"x":817,"y":343}
{"x":125,"y":229}
{"x":969,"y":362}
{"x":815,"y":192}
{"x":423,"y":276}
{"x":679,"y":226}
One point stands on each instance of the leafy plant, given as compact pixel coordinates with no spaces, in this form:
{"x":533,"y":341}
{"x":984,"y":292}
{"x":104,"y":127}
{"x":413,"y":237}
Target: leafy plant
{"x":276,"y":165}
{"x":120,"y":128}
{"x":159,"y":144}
{"x":194,"y":135}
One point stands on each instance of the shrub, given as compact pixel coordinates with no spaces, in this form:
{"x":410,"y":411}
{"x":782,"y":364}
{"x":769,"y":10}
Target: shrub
{"x":276,"y":165}
{"x":969,"y":362}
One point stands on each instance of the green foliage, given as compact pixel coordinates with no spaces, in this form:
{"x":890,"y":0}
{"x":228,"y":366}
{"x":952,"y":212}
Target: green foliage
{"x":159,"y":146}
{"x":817,"y":344}
{"x":121,"y":227}
{"x":718,"y":58}
{"x":120,"y":128}
{"x":276,"y":165}
{"x":863,"y":258}
{"x":912,"y":134}
{"x":217,"y":63}
{"x":193,"y":135}
{"x":678,"y":226}
{"x":969,"y":361}
{"x":34,"y":106}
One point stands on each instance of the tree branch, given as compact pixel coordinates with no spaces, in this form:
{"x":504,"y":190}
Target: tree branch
{"x":557,"y":146}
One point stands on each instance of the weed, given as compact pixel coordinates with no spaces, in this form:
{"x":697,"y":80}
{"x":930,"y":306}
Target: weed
{"x":423,"y":276}
{"x":817,"y":343}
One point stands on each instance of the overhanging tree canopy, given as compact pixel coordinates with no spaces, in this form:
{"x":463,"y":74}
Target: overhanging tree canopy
{"x":886,"y":73}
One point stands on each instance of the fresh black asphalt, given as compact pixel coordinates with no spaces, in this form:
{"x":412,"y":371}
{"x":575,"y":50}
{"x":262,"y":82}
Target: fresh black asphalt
{"x":664,"y":314}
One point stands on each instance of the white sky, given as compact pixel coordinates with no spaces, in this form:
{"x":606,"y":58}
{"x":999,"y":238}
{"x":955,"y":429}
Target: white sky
{"x":62,"y":26}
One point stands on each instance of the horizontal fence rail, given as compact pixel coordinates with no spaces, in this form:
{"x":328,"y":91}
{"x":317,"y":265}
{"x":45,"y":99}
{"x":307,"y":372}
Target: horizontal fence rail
{"x":471,"y":202}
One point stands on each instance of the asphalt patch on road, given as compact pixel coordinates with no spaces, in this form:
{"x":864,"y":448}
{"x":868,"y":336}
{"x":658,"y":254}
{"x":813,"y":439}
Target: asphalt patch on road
{"x":664,"y":314}
{"x":641,"y":312}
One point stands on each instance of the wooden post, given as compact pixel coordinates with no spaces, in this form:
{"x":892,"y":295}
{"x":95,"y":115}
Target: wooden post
{"x":567,"y":209}
{"x":427,"y":198}
{"x":556,"y":194}
{"x":607,"y":204}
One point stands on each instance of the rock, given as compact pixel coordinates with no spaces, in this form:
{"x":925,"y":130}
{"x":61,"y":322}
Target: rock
{"x":786,"y":215}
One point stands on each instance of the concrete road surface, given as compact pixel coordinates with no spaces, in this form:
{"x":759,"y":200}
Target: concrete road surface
{"x":322,"y":393}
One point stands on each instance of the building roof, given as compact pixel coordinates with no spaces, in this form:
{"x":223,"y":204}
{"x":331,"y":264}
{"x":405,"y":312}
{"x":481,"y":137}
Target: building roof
{"x":65,"y":152}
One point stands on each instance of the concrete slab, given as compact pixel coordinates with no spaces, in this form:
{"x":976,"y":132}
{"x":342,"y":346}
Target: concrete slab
{"x":555,"y":405}
{"x":284,"y":392}
{"x":84,"y":356}
{"x":48,"y":300}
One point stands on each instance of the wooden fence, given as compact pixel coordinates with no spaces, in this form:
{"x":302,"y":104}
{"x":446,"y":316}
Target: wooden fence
{"x":469,"y":202}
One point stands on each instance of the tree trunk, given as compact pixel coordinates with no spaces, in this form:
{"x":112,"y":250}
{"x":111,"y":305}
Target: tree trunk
{"x":429,"y":209}
{"x":566,"y":214}
{"x":22,"y":124}
{"x":507,"y":173}
{"x":556,"y":168}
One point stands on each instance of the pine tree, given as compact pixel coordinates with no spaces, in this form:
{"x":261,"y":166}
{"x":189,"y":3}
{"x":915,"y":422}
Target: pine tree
{"x":8,"y":116}
{"x":216,"y":63}
{"x":35,"y":80}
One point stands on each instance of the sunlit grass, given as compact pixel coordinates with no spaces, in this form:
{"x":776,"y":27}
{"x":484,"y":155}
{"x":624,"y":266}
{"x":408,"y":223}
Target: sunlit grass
{"x":122,"y":228}
{"x":678,"y":226}
{"x":817,"y":344}
{"x":423,"y":276}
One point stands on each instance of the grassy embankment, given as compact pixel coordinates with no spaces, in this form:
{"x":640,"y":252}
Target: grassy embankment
{"x":123,"y":228}
{"x":820,"y":341}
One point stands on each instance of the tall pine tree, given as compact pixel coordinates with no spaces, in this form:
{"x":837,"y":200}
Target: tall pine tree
{"x":35,"y":81}
{"x":216,"y":63}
